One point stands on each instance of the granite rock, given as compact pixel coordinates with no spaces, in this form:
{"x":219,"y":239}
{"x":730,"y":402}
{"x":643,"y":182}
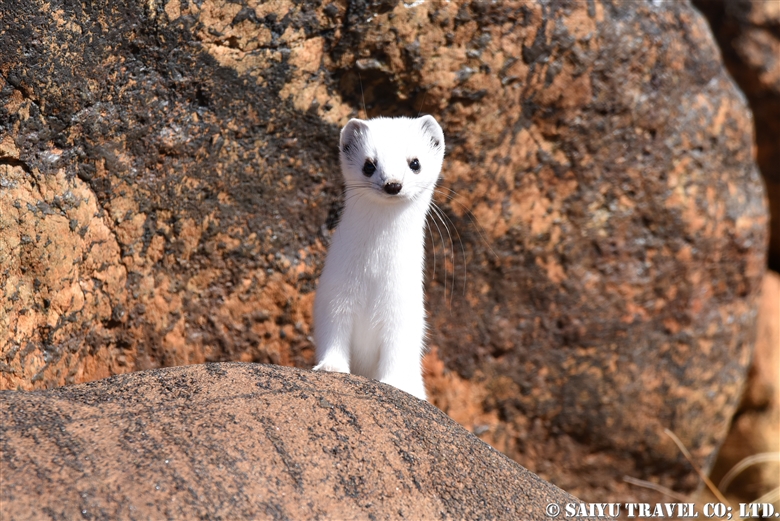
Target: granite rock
{"x":250,"y":441}
{"x":755,"y":429}
{"x":748,"y":34}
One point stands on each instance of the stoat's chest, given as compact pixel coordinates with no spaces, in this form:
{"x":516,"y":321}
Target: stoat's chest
{"x":380,"y":250}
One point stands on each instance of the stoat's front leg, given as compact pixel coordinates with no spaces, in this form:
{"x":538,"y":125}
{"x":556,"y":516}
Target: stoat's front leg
{"x":332,"y":333}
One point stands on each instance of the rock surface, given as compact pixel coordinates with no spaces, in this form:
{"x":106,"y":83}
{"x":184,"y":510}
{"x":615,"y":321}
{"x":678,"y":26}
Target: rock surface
{"x":168,"y":176}
{"x":250,"y":441}
{"x":749,"y":37}
{"x":755,"y":429}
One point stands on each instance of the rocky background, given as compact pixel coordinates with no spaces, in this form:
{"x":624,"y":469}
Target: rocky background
{"x":755,"y":429}
{"x":169,"y":180}
{"x":748,"y":34}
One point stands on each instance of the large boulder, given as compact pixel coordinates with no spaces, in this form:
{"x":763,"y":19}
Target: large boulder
{"x":748,"y":34}
{"x":250,"y":441}
{"x":169,"y":178}
{"x":755,"y":430}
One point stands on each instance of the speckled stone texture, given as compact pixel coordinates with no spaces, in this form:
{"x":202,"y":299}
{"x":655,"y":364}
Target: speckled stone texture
{"x":748,"y":33}
{"x":250,"y":441}
{"x":169,"y":178}
{"x":756,"y":425}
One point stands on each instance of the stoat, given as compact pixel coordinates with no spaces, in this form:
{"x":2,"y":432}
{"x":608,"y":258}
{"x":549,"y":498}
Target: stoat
{"x":369,"y":314}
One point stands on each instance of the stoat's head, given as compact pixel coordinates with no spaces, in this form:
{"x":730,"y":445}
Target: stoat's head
{"x":392,"y":159}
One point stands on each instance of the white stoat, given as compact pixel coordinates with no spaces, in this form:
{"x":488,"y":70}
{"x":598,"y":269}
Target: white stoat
{"x":369,"y":315}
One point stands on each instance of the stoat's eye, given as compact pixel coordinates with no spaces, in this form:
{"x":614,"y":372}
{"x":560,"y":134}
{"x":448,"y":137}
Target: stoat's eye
{"x":414,"y":164}
{"x":369,"y":168}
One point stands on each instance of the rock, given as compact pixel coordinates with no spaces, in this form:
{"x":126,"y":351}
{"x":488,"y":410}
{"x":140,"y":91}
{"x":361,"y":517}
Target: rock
{"x":756,"y":426}
{"x":763,"y":385}
{"x":608,"y":291}
{"x":748,"y":34}
{"x":250,"y":441}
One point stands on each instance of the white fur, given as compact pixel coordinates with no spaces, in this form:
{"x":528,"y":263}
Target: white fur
{"x":369,"y":315}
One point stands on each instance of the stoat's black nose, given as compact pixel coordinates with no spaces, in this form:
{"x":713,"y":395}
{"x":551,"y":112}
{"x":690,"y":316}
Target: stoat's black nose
{"x":393,"y":188}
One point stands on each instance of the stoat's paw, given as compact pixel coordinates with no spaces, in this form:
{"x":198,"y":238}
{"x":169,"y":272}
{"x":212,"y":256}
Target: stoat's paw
{"x":331,"y":367}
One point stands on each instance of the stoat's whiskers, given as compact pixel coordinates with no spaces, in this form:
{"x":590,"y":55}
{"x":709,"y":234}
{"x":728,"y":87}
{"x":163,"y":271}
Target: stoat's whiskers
{"x":439,"y":215}
{"x":356,"y":190}
{"x":450,"y":195}
{"x":448,"y":223}
{"x":433,"y":248}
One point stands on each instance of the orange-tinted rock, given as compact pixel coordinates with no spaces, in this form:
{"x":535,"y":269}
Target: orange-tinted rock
{"x":755,"y":431}
{"x":749,"y":37}
{"x":62,"y":283}
{"x":763,"y":385}
{"x":608,"y":293}
{"x":249,"y":441}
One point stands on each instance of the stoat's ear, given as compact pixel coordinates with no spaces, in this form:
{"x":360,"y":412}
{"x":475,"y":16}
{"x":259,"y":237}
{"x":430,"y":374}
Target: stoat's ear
{"x":432,"y":130}
{"x":351,"y":135}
